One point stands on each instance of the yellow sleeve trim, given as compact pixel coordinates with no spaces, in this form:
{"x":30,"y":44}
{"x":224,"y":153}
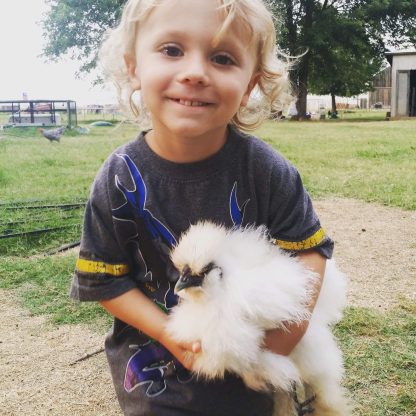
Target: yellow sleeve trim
{"x":310,"y":242}
{"x":99,"y":267}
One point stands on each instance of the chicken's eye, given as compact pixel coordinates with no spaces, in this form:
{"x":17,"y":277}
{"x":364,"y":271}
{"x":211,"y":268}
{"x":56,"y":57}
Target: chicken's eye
{"x":186,"y":270}
{"x":208,"y":268}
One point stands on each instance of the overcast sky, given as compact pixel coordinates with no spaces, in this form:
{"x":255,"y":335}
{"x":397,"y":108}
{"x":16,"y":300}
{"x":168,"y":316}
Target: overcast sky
{"x":22,"y":70}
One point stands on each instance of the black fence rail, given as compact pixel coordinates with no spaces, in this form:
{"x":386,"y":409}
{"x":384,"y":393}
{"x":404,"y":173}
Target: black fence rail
{"x":34,"y":232}
{"x":37,"y":225}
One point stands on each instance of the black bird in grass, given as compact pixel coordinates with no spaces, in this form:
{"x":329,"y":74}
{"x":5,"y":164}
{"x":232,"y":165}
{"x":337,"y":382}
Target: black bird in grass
{"x":53,"y":135}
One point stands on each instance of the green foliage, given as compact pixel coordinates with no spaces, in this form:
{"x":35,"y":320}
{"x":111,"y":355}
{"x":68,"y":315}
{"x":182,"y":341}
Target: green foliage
{"x":77,"y":27}
{"x":391,"y":18}
{"x":342,"y":42}
{"x":346,"y":68}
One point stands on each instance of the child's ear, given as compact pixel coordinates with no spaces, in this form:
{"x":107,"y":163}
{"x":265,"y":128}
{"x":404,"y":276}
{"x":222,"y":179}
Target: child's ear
{"x":253,"y":82}
{"x":130,"y":62}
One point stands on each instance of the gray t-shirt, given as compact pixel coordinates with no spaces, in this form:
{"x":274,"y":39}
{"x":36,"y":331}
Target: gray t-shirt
{"x":138,"y":207}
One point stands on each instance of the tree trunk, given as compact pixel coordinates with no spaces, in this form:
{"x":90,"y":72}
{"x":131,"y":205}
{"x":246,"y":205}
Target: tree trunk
{"x":307,"y":9}
{"x":302,"y":83}
{"x":334,"y":104}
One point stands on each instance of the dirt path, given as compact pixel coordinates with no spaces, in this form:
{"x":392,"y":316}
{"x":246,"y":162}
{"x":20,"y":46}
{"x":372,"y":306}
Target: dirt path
{"x":375,"y":245}
{"x":37,"y":375}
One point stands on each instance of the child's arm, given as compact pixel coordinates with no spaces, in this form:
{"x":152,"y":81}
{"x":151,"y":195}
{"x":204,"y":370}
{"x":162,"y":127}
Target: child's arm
{"x":135,"y":309}
{"x":282,"y":341}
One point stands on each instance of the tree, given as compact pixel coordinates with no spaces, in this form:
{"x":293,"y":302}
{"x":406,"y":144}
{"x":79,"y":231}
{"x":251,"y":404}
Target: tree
{"x":318,"y":32}
{"x":76,"y":28}
{"x":346,"y":68}
{"x":336,"y":40}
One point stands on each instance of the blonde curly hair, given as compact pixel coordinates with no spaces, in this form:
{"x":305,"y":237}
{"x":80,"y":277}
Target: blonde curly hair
{"x":272,"y":92}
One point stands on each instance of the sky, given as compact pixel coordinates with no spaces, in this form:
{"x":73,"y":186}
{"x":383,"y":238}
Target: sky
{"x":23,"y":70}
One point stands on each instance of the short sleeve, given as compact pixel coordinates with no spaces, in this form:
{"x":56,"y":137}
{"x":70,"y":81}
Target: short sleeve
{"x":294,"y":225}
{"x":103,"y":269}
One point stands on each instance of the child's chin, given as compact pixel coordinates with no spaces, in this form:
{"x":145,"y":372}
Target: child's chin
{"x":190,"y":129}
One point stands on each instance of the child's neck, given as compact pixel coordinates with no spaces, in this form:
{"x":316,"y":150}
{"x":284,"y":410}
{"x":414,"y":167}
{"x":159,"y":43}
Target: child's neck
{"x":186,"y":149}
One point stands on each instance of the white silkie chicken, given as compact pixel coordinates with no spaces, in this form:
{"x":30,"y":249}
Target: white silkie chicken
{"x":233,"y":286}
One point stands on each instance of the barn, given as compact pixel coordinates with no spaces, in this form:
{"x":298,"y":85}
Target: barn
{"x":403,"y":83}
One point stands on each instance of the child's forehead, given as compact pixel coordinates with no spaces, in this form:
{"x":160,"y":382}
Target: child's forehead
{"x":180,"y":17}
{"x":176,"y":10}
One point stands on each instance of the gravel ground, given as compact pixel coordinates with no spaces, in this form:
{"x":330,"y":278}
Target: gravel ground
{"x":375,"y":246}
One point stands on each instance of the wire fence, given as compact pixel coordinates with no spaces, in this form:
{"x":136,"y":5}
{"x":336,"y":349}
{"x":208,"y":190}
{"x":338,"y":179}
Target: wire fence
{"x":38,"y":226}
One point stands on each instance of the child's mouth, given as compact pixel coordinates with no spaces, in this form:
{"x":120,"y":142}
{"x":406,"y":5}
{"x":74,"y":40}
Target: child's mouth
{"x":190,"y":103}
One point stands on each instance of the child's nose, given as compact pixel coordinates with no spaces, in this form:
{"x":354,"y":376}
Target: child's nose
{"x":194,"y":72}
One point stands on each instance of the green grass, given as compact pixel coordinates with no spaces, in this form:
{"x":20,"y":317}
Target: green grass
{"x":372,"y":161}
{"x":360,"y":115}
{"x":66,"y":225}
{"x":380,"y":359}
{"x":43,"y":286}
{"x":34,"y":171}
{"x":34,"y":167}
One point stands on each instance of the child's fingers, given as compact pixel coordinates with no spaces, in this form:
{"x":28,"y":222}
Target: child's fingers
{"x":188,"y":360}
{"x":196,"y":347}
{"x":188,"y":351}
{"x":193,"y":347}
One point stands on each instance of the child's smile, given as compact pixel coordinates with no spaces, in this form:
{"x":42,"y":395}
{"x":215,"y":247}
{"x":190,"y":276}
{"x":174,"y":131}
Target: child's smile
{"x":191,"y":86}
{"x":189,"y":103}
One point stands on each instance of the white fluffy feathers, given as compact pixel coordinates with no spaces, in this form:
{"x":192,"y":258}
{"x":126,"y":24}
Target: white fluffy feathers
{"x":250,"y":287}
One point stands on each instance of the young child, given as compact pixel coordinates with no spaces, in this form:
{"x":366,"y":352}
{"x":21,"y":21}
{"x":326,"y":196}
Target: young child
{"x":195,"y":64}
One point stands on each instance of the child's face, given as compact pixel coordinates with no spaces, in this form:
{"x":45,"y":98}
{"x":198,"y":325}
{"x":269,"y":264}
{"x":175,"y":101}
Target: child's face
{"x":190,"y":87}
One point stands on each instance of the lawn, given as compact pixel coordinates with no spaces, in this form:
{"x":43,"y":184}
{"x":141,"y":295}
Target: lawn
{"x":372,"y":161}
{"x":44,"y":186}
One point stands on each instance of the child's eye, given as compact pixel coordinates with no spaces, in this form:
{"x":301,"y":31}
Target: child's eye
{"x":172,"y":51}
{"x":223,"y":59}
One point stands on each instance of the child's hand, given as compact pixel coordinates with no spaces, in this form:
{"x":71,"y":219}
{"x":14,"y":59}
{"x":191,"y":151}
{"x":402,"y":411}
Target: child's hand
{"x":151,"y":320}
{"x":183,"y":351}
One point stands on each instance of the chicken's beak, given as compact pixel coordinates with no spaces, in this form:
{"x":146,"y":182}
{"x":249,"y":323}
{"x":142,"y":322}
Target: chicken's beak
{"x":187,"y":280}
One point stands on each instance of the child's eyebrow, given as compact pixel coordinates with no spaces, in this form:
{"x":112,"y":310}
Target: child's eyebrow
{"x":183,"y":34}
{"x":170,"y":34}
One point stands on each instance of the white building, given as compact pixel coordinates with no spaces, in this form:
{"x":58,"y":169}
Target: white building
{"x":315,"y":103}
{"x":403,"y":86}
